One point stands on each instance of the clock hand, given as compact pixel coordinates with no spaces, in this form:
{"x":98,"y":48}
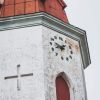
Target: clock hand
{"x":58,"y":45}
{"x":62,"y":47}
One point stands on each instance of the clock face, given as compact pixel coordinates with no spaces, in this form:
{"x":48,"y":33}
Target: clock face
{"x":61,"y":47}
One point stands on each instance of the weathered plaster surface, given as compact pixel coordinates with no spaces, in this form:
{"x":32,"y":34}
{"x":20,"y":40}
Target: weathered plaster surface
{"x":53,"y":66}
{"x":30,"y":48}
{"x":24,"y":47}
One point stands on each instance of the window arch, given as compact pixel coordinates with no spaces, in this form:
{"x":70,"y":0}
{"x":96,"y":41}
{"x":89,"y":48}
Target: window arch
{"x":62,"y":89}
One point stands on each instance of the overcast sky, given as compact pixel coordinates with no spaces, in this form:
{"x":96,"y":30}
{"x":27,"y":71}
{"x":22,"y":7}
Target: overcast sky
{"x":86,"y":15}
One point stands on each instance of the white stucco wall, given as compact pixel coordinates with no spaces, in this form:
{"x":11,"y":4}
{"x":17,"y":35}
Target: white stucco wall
{"x":21,"y":46}
{"x":30,"y":47}
{"x":54,"y":65}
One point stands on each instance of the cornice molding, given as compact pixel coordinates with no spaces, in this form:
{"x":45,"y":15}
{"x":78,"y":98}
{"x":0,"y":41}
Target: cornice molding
{"x":51,"y":22}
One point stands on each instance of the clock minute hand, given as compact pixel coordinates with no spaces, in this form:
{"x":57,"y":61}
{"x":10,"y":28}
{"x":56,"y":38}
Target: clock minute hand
{"x":58,"y":45}
{"x":62,"y":47}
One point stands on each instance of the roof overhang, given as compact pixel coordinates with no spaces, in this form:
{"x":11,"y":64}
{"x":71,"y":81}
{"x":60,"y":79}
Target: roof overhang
{"x":63,"y":4}
{"x":51,"y":22}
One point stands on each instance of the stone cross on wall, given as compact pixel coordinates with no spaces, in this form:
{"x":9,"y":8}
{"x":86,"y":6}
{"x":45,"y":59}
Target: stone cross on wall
{"x":18,"y":76}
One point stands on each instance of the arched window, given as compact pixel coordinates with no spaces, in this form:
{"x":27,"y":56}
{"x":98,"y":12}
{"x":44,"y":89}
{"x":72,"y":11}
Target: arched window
{"x":62,"y":89}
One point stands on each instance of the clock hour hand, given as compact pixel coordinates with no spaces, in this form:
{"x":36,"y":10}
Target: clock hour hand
{"x":62,"y":47}
{"x":57,"y":45}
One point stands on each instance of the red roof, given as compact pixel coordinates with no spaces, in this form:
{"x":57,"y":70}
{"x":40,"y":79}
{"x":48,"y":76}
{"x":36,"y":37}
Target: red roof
{"x":20,"y":7}
{"x":63,"y":4}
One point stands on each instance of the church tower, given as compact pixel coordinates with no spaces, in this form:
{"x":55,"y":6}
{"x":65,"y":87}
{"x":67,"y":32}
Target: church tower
{"x":42,"y":56}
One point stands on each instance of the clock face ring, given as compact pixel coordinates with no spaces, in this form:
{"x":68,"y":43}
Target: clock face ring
{"x":60,"y":47}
